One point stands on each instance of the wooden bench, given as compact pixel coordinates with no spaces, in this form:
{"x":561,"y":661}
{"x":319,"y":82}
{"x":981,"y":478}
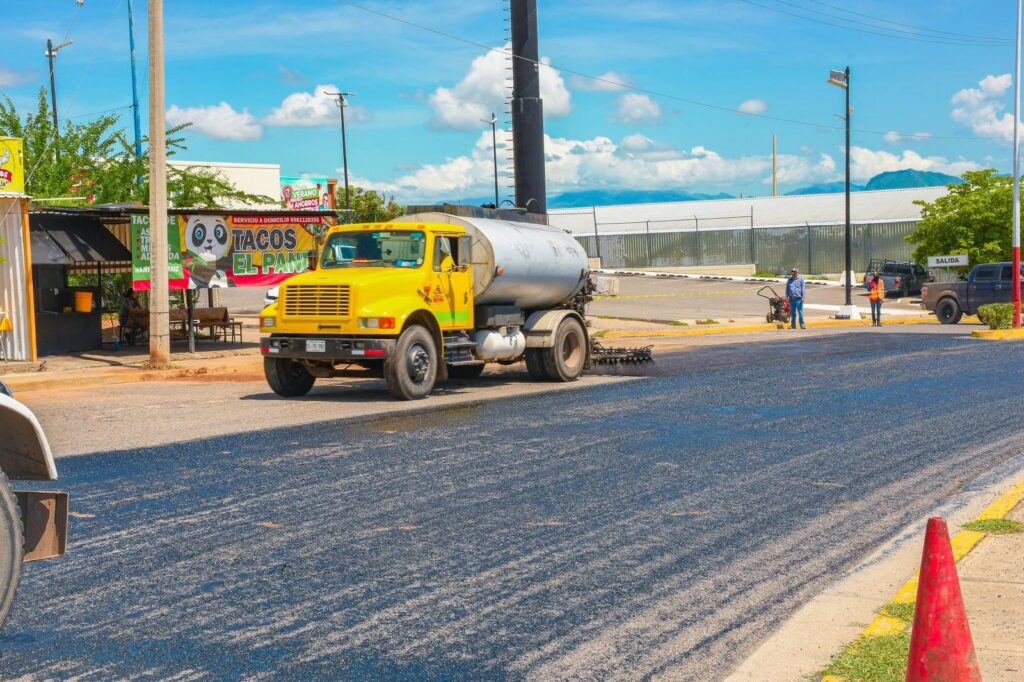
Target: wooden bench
{"x":217,"y":321}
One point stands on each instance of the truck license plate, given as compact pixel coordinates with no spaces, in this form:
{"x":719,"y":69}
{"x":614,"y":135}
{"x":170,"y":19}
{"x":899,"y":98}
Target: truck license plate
{"x":316,"y":346}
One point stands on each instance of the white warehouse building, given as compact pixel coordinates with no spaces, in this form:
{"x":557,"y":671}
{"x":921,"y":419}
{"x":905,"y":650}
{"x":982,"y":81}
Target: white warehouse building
{"x":769,"y":234}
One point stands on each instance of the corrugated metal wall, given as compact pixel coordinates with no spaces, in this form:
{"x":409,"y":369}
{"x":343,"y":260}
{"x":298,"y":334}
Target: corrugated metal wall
{"x":14,"y":280}
{"x":811,"y":248}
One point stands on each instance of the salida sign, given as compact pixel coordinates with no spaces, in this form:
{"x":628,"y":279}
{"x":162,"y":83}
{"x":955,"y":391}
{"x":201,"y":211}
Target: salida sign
{"x":241,"y":250}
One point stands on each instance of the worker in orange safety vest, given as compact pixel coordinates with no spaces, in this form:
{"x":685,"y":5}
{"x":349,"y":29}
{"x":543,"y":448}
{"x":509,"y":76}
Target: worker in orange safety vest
{"x":876,"y":294}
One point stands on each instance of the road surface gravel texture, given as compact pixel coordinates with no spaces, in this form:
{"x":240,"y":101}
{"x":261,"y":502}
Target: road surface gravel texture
{"x":642,"y":529}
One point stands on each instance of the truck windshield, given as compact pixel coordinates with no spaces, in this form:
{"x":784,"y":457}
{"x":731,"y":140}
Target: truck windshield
{"x":373,"y":249}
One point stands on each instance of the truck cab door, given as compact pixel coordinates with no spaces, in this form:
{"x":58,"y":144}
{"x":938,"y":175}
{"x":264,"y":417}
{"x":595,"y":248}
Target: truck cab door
{"x":982,"y":288}
{"x":452,"y":298}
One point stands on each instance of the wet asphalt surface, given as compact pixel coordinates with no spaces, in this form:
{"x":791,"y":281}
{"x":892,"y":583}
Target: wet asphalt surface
{"x":652,"y":528}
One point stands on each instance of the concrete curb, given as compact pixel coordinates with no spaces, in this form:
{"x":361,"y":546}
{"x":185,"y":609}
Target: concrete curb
{"x":119,"y":375}
{"x":998,"y":334}
{"x":963,"y":542}
{"x":752,"y":328}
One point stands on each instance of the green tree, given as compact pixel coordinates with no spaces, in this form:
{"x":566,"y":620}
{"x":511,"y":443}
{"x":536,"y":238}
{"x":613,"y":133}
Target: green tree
{"x":975,"y":218}
{"x":368,"y":206}
{"x":97,"y":163}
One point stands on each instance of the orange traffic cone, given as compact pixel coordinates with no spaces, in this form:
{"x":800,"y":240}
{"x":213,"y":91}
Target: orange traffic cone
{"x":941,"y":649}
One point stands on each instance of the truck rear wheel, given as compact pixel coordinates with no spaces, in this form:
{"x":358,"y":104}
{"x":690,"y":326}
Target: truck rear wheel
{"x":411,"y":372}
{"x":566,"y":359}
{"x":948,"y":311}
{"x":535,"y":364}
{"x":288,"y":378}
{"x":10,"y":547}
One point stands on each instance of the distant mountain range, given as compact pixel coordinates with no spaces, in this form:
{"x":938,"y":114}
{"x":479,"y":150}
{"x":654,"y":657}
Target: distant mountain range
{"x":901,"y":179}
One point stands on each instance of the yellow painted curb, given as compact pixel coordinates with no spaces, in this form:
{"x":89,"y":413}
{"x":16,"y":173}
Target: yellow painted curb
{"x":998,"y":334}
{"x":753,"y":328}
{"x":963,"y":542}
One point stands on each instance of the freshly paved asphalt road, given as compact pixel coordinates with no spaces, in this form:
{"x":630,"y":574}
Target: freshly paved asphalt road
{"x":646,"y":528}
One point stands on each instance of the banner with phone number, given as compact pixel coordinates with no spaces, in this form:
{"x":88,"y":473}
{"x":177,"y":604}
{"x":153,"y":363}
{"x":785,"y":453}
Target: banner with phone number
{"x":219,"y":251}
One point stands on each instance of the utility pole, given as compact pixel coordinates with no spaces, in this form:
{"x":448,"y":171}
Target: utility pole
{"x":51,"y":52}
{"x":527,"y":109}
{"x":159,"y":332}
{"x":135,"y":87}
{"x":841,"y":79}
{"x":342,"y":103}
{"x":493,"y":120}
{"x":1016,"y":177}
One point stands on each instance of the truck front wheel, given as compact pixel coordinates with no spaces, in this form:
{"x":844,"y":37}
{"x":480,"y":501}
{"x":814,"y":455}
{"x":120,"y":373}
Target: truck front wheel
{"x":10,"y":548}
{"x":288,"y":378}
{"x":948,"y":311}
{"x":566,"y":359}
{"x":411,"y":372}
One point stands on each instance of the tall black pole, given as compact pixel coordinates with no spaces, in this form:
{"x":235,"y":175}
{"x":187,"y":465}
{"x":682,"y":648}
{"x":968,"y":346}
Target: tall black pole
{"x":527,"y":110}
{"x":494,"y":149}
{"x":50,"y":54}
{"x":849,"y":249}
{"x":344,"y":155}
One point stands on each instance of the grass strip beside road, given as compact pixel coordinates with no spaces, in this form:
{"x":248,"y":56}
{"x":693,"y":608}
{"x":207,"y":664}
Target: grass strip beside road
{"x":880,"y":653}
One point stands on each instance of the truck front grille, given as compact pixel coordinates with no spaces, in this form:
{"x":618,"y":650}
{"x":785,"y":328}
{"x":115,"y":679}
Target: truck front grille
{"x":316,"y":300}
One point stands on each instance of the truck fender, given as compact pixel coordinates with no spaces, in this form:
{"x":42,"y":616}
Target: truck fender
{"x":541,"y":325}
{"x":24,"y":452}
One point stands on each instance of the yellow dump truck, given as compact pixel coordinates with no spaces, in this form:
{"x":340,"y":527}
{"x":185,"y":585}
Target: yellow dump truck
{"x":428,"y":297}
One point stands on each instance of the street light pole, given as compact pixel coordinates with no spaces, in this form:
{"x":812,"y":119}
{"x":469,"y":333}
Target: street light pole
{"x":51,"y":52}
{"x":342,"y":103}
{"x":493,"y":120}
{"x":1016,"y":176}
{"x":135,"y":88}
{"x":841,"y":79}
{"x":849,"y":245}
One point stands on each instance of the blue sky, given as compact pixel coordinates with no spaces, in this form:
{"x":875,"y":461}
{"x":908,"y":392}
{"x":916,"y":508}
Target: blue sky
{"x":247,"y":75}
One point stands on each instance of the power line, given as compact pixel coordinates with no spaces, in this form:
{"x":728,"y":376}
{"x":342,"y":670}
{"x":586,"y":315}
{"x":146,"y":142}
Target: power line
{"x":97,"y":113}
{"x":1007,"y":41}
{"x":655,"y":93}
{"x":935,"y":41}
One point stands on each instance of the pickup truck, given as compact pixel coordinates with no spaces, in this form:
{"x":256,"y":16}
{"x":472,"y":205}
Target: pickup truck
{"x":901,"y":278}
{"x":987,"y":283}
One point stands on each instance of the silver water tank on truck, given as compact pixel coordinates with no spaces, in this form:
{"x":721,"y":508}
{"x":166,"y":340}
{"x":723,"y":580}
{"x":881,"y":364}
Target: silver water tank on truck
{"x":542,"y":266}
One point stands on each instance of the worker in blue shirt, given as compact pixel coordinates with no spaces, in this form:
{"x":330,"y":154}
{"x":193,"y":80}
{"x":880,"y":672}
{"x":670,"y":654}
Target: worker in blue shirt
{"x":796,"y":290}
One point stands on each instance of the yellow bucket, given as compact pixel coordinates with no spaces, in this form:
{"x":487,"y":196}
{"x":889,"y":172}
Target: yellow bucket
{"x":83,"y":301}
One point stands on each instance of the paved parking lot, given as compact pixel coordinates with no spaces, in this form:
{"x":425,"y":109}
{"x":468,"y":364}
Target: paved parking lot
{"x":688,"y":300}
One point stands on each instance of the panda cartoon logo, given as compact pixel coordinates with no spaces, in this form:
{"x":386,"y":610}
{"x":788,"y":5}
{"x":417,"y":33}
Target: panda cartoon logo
{"x":208,"y":240}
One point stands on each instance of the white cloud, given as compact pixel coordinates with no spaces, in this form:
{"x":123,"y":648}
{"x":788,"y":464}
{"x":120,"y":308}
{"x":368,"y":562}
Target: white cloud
{"x":220,"y":121}
{"x":612,"y":81}
{"x":10,"y":78}
{"x":635,"y":108}
{"x":640,"y":162}
{"x":310,"y":109}
{"x":752,"y":106}
{"x":636,"y":162}
{"x":982,"y":109}
{"x":482,"y":91}
{"x":893,"y":137}
{"x":867,"y":163}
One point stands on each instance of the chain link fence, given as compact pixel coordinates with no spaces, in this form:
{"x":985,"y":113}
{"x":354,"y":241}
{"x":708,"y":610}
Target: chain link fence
{"x":696,"y":242}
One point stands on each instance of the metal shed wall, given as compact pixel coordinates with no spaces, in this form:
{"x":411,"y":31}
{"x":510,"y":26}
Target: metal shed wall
{"x":15,"y":297}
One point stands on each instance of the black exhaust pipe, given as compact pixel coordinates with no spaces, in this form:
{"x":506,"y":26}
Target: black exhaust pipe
{"x":527,"y":110}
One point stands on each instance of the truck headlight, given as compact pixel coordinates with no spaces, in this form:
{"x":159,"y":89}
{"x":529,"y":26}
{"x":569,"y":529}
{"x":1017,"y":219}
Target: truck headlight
{"x":268,"y":322}
{"x":376,"y":323}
